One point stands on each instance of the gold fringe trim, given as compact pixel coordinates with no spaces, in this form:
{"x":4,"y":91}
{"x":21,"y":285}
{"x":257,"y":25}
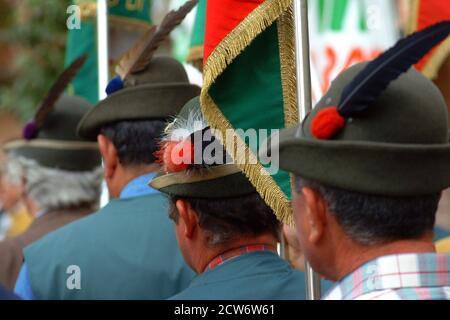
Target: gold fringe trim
{"x":434,"y":64}
{"x":248,"y":163}
{"x":413,"y":16}
{"x":129,"y":23}
{"x":88,"y":10}
{"x":440,"y":55}
{"x":195,"y":57}
{"x":226,"y":51}
{"x":286,"y":36}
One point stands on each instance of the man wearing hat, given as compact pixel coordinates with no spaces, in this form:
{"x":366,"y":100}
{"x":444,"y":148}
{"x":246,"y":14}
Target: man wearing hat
{"x":60,"y":175}
{"x":127,"y":250}
{"x":370,"y":163}
{"x":59,"y":172}
{"x":226,"y":232}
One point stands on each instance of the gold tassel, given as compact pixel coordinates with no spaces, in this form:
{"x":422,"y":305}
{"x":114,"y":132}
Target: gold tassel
{"x":195,"y":57}
{"x":434,"y":64}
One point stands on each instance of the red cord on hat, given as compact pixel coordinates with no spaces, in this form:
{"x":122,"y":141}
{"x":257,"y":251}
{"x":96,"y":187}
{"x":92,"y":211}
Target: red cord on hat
{"x":327,"y":123}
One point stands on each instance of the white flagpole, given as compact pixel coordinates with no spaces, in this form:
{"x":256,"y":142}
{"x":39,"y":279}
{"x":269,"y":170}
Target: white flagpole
{"x":103,"y":65}
{"x":305,"y":106}
{"x":102,"y":47}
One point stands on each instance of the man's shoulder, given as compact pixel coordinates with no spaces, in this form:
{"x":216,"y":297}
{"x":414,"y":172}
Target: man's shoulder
{"x":260,"y":275}
{"x":7,"y":295}
{"x":139,"y":203}
{"x":58,"y":238}
{"x":78,"y":233}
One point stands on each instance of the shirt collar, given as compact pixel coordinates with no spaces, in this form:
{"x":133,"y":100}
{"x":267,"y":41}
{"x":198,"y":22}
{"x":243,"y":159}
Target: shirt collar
{"x":394,"y":272}
{"x":138,"y":187}
{"x":234,"y":253}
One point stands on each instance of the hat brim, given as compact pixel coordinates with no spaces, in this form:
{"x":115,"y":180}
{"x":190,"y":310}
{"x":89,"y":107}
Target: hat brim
{"x":366,"y":167}
{"x":74,"y":156}
{"x":144,"y":102}
{"x":224,"y":181}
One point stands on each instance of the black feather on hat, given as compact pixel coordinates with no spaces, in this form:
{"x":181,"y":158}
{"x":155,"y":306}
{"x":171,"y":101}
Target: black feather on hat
{"x":387,"y":133}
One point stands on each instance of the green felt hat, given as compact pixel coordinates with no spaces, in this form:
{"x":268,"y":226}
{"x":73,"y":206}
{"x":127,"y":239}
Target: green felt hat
{"x":381,"y":129}
{"x":397,"y":147}
{"x":56,"y":144}
{"x":212,"y":181}
{"x":158,"y":92}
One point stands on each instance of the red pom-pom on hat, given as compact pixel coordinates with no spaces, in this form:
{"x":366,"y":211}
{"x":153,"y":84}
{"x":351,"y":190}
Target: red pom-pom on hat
{"x":177,"y":156}
{"x":327,"y":123}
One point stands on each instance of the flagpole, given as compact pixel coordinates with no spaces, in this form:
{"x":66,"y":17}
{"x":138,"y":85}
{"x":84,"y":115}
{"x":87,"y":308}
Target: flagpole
{"x":103,"y":66}
{"x":102,"y":47}
{"x":305,"y":106}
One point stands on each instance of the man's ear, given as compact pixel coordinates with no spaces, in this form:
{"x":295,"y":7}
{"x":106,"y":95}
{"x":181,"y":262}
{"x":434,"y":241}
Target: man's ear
{"x":316,"y":210}
{"x":188,"y":218}
{"x":109,"y":155}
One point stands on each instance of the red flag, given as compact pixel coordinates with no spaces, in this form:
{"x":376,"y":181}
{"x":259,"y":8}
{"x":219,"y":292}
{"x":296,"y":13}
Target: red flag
{"x":424,"y":14}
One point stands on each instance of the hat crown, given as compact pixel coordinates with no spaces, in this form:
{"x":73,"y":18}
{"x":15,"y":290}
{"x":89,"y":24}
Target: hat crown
{"x":161,"y":70}
{"x":62,"y":122}
{"x":410,"y":111}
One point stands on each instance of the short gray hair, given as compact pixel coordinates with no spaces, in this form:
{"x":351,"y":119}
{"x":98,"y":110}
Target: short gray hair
{"x":55,"y":189}
{"x":374,"y":219}
{"x":224,"y":220}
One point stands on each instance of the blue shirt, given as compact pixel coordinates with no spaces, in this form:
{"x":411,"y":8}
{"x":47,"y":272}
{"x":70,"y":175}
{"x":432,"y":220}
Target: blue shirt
{"x":135,"y":188}
{"x":7,"y":295}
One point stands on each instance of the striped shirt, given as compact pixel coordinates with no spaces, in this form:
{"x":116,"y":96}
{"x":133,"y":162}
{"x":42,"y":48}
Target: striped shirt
{"x":397,"y":277}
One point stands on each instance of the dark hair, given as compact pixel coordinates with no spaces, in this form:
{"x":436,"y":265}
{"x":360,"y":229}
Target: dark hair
{"x":372,"y":219}
{"x":228,"y":219}
{"x":136,"y":141}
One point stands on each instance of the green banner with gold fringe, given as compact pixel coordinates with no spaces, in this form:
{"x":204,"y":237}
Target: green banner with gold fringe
{"x":250,"y":85}
{"x":126,"y":14}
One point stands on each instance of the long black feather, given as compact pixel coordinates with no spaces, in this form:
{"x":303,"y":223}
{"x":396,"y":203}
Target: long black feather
{"x":370,"y":83}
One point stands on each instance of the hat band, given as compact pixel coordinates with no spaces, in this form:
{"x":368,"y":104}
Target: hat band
{"x":53,"y":144}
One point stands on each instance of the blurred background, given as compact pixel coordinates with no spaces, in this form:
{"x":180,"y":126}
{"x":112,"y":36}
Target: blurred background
{"x":34,"y":40}
{"x":35,"y":44}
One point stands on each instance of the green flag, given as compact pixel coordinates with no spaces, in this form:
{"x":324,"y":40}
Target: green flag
{"x":83,"y":40}
{"x":249,"y":86}
{"x":195,"y":55}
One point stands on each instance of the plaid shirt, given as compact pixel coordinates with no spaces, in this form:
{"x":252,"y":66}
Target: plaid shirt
{"x":234,"y":253}
{"x":397,"y":277}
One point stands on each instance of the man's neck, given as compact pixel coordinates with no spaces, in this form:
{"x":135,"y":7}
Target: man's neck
{"x":349,"y":259}
{"x":207,"y":255}
{"x":129,"y":174}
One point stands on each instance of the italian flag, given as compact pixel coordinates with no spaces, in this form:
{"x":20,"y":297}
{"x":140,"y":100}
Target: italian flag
{"x":426,"y":13}
{"x":249,"y":83}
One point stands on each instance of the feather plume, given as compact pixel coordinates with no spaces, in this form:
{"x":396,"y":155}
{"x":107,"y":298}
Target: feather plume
{"x":181,"y":128}
{"x":133,"y":54}
{"x":169,"y":23}
{"x":48,"y":104}
{"x":375,"y":78}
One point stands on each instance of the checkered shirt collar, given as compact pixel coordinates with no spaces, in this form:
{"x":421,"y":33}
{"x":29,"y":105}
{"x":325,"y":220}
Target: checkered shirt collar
{"x":394,"y":272}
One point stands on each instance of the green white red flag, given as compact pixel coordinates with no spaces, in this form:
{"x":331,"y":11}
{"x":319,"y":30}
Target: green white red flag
{"x":249,"y":83}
